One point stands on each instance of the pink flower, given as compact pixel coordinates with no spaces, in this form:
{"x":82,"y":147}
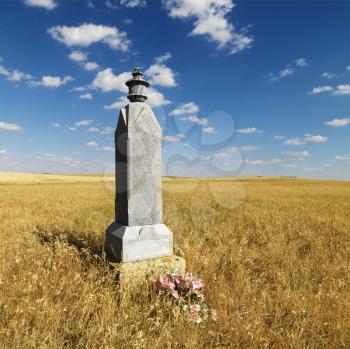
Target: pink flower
{"x":188,"y":276}
{"x":175,"y":294}
{"x":164,"y":282}
{"x":194,"y":313}
{"x":197,"y":284}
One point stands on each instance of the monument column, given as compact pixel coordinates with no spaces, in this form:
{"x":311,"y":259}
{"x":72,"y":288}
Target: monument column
{"x":138,"y":231}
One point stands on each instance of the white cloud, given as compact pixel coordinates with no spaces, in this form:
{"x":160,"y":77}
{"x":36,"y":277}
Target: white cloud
{"x":9,"y":127}
{"x":299,"y":154}
{"x":90,"y":66}
{"x":208,"y":129}
{"x":348,"y":68}
{"x":307,"y":168}
{"x":156,"y":98}
{"x":279,"y":137}
{"x":187,"y":108}
{"x":301,"y":62}
{"x":78,"y":56}
{"x":108,"y":149}
{"x":47,"y":4}
{"x":3,"y":152}
{"x":4,"y":71}
{"x":290,"y":69}
{"x":107,"y":130}
{"x":264,"y":162}
{"x":175,"y":138}
{"x":320,"y":89}
{"x":93,"y":129}
{"x":78,"y":89}
{"x":160,"y":75}
{"x":290,"y":165}
{"x":163,"y":58}
{"x":210,"y":20}
{"x":71,"y":128}
{"x":248,"y":148}
{"x":86,"y":96}
{"x":248,"y":130}
{"x":338,"y":122}
{"x":88,"y":33}
{"x":106,"y":81}
{"x":120,"y":103}
{"x":328,"y":75}
{"x":83,"y":123}
{"x":342,"y":157}
{"x":92,"y":144}
{"x":55,"y":125}
{"x":342,"y":90}
{"x":315,"y":139}
{"x":52,"y":81}
{"x":14,"y":75}
{"x":133,"y":3}
{"x":196,"y":120}
{"x":294,"y":141}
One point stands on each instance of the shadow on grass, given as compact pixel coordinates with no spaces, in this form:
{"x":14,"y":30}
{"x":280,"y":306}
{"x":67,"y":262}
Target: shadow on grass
{"x":89,"y":246}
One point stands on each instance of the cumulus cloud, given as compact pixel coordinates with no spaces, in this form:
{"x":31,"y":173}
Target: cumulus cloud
{"x":3,"y":152}
{"x":86,"y":96}
{"x":328,"y":75}
{"x":108,"y":149}
{"x":321,"y":89}
{"x":196,"y":120}
{"x":279,"y":137}
{"x":301,"y":62}
{"x":156,"y":98}
{"x":14,"y":75}
{"x":275,"y":161}
{"x":210,"y":21}
{"x":47,"y":4}
{"x":208,"y":129}
{"x":174,"y":138}
{"x":77,"y":56}
{"x":163,"y":58}
{"x":106,"y":81}
{"x":294,"y":141}
{"x":89,"y":66}
{"x":302,"y":155}
{"x":120,"y":103}
{"x":92,"y":144}
{"x":52,"y":81}
{"x":83,"y":123}
{"x":93,"y":129}
{"x":338,"y":122}
{"x":315,"y":138}
{"x":187,"y":108}
{"x":55,"y":124}
{"x":133,"y":3}
{"x":248,"y":130}
{"x":160,"y":75}
{"x":107,"y":130}
{"x":342,"y":90}
{"x":4,"y":126}
{"x":88,"y":34}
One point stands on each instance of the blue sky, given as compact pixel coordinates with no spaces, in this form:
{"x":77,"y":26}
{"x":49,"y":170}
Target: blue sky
{"x":239,"y":88}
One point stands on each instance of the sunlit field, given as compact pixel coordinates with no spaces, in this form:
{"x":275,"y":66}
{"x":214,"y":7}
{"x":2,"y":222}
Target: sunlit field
{"x":274,"y":255}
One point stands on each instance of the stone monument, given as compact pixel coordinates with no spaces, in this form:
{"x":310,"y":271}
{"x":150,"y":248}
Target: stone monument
{"x":138,"y":232}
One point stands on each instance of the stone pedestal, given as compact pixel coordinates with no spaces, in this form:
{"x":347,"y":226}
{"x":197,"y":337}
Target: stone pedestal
{"x":134,"y":243}
{"x":136,"y":272}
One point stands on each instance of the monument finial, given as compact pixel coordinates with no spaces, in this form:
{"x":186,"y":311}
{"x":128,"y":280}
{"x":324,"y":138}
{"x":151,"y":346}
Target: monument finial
{"x":137,"y":86}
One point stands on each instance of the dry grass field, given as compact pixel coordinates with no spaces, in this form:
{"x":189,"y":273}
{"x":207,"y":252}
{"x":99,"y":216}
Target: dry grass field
{"x":274,"y":255}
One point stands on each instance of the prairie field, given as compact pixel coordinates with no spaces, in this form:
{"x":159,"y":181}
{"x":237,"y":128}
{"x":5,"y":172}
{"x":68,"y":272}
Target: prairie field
{"x":274,"y":255}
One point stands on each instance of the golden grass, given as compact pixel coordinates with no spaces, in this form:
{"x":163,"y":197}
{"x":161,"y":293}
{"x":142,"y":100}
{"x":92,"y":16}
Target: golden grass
{"x":274,"y":255}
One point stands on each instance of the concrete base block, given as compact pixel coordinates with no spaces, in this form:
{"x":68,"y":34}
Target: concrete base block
{"x":134,"y":272}
{"x":135,"y":243}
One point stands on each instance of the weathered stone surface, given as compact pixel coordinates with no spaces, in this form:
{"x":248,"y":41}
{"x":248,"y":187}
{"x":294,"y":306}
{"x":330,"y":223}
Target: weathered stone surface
{"x":133,"y":243}
{"x":149,"y":269}
{"x":138,"y":170}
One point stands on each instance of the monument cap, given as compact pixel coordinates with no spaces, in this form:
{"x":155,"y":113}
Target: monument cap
{"x":137,"y":86}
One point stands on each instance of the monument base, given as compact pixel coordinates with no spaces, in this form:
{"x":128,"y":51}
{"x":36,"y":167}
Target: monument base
{"x":134,"y":272}
{"x":135,"y":243}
